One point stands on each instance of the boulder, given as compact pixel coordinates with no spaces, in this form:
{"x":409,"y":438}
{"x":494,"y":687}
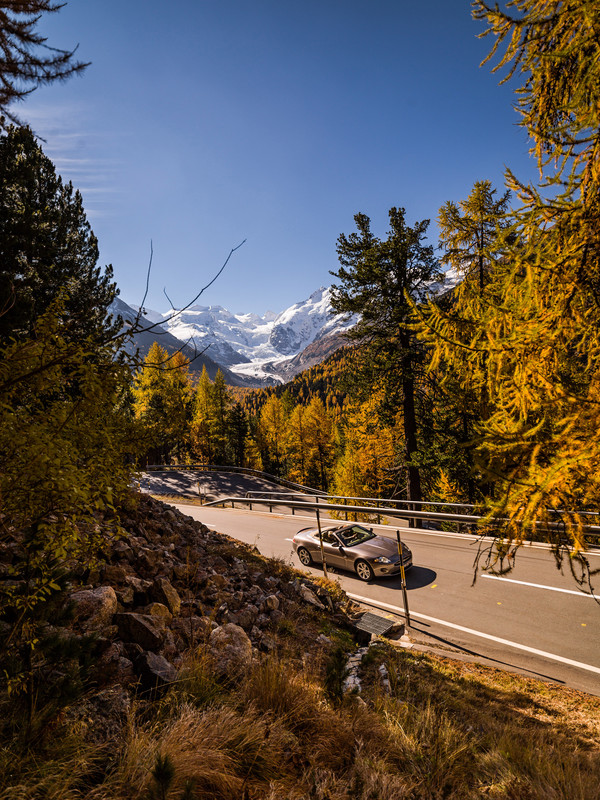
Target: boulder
{"x":193,"y":629}
{"x":231,"y":650}
{"x":160,"y":614}
{"x":94,"y":608}
{"x":155,"y":671}
{"x":140,"y":588}
{"x":245,"y":617}
{"x":114,"y":667}
{"x":270,"y":603}
{"x":139,"y":629}
{"x":103,"y":716}
{"x":163,"y":592}
{"x":309,"y":596}
{"x":113,"y":574}
{"x":125,"y":596}
{"x":122,"y":550}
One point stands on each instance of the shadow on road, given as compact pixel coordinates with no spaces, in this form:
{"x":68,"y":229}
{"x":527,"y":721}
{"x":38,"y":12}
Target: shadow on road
{"x":211,"y":485}
{"x":423,"y":628}
{"x":416,"y":578}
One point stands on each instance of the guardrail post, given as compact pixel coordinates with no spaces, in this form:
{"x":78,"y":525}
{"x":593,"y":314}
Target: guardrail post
{"x":321,"y":541}
{"x":403,"y":579}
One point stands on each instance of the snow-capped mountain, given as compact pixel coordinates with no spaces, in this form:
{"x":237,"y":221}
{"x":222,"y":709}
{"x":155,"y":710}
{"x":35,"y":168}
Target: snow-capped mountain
{"x":252,"y":346}
{"x":149,"y":332}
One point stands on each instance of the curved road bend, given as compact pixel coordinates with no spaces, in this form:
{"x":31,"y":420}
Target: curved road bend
{"x":211,"y":485}
{"x":534,"y":621}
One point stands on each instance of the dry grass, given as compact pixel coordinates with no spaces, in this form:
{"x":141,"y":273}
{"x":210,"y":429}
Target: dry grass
{"x":57,"y":774}
{"x":447,"y":730}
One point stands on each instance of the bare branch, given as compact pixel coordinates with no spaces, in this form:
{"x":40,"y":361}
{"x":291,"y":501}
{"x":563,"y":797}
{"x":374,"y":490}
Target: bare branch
{"x":193,"y":300}
{"x":167,"y":296}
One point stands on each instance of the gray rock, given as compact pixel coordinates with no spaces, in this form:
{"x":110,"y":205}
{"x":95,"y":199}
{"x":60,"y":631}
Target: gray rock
{"x":125,"y":596}
{"x":155,"y":671}
{"x":103,"y":717}
{"x":310,"y":597}
{"x":270,"y":603}
{"x":114,"y":667}
{"x":112,"y":573}
{"x":193,"y":629}
{"x":164,"y":592}
{"x":122,"y":550}
{"x":94,"y":608}
{"x":160,"y":614}
{"x":139,"y":629}
{"x":231,"y":650}
{"x":267,"y":643}
{"x":246,"y":617}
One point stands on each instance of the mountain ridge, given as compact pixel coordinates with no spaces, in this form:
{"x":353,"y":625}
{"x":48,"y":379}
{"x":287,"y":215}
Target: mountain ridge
{"x":259,"y":350}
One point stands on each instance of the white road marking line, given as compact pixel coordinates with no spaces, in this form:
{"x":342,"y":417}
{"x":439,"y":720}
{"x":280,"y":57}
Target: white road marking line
{"x":543,"y":653}
{"x":538,"y":586}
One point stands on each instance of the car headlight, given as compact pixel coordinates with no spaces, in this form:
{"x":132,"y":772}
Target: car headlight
{"x":381,"y":560}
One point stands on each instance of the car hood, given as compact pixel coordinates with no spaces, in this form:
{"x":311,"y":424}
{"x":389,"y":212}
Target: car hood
{"x":379,"y":546}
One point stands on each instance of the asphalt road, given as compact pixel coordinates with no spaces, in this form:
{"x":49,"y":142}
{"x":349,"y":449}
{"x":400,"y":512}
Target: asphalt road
{"x":535,"y":620}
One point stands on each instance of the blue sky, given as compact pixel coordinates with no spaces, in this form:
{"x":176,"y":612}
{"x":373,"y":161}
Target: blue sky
{"x":201,"y":123}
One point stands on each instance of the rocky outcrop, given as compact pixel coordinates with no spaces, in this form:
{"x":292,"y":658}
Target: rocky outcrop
{"x":169,"y":585}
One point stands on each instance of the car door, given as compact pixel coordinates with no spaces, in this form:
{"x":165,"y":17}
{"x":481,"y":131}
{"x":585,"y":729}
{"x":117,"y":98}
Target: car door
{"x":331,"y":548}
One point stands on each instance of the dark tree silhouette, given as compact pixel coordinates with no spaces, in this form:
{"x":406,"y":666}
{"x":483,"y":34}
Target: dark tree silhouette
{"x":26,"y":60}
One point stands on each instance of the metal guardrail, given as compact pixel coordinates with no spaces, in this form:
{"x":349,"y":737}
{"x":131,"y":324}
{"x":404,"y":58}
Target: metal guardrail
{"x":380,"y":502}
{"x":470,"y":520}
{"x":377,"y":501}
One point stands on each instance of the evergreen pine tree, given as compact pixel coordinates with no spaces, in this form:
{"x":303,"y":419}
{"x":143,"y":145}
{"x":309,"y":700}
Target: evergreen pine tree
{"x":47,"y":248}
{"x":27,"y":61}
{"x":470,"y":233}
{"x":377,"y":278}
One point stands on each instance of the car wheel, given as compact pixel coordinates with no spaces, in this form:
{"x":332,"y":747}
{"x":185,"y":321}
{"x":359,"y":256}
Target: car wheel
{"x":364,"y":571}
{"x":305,"y":557}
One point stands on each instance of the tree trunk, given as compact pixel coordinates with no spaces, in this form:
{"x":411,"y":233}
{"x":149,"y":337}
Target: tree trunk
{"x":410,"y":431}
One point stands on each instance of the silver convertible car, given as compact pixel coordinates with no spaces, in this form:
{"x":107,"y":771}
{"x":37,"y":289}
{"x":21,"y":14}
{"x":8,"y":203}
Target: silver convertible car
{"x":352,"y":547}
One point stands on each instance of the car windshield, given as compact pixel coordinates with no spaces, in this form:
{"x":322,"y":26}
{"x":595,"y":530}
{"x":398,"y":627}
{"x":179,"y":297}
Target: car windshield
{"x":355,"y":535}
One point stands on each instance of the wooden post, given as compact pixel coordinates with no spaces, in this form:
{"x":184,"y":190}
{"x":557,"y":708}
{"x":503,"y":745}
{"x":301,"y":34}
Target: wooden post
{"x":403,"y":580}
{"x":321,"y":541}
